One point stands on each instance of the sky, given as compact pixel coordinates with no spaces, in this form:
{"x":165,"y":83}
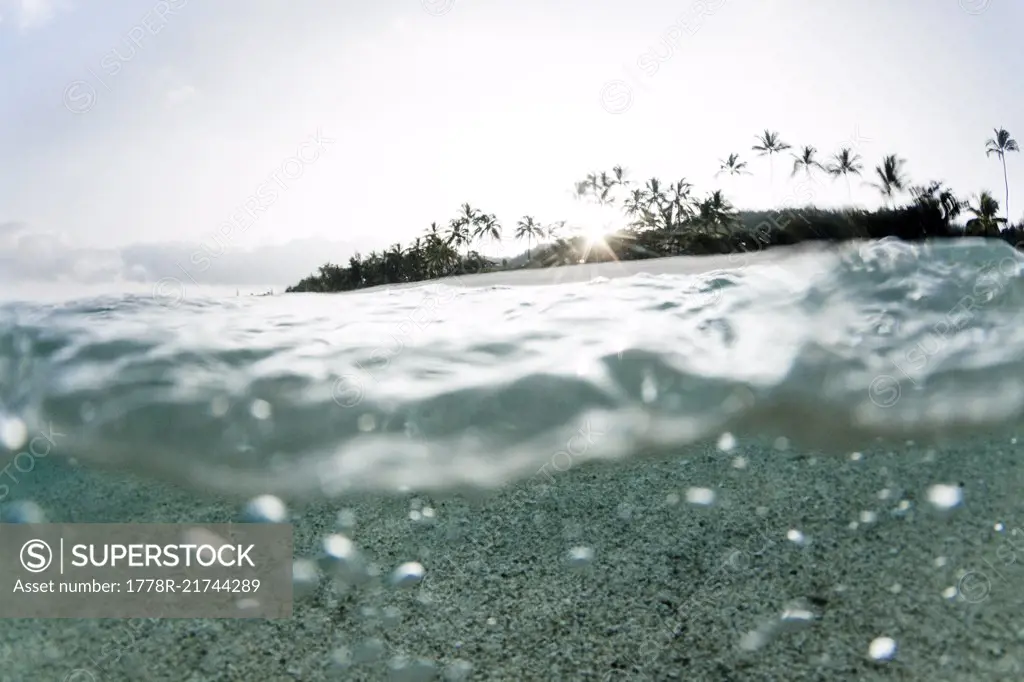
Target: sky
{"x":237,"y":143}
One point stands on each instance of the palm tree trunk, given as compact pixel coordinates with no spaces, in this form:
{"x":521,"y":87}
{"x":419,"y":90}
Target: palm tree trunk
{"x":849,"y":191}
{"x":1006,"y":183}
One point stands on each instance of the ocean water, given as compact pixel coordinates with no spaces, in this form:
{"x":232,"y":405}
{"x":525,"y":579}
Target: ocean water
{"x":479,"y":381}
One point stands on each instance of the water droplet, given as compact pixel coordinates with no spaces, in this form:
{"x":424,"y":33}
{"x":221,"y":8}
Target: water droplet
{"x":999,"y":528}
{"x":366,"y":422}
{"x":13,"y":432}
{"x":949,"y":592}
{"x":945,"y":497}
{"x":391,"y":616}
{"x":754,"y":640}
{"x":368,"y":651}
{"x":458,"y":670}
{"x":343,"y":559}
{"x":701,"y":497}
{"x":940,"y":561}
{"x":492,"y":622}
{"x":341,"y":657}
{"x":265,"y":509}
{"x":672,"y":499}
{"x":346,"y":520}
{"x":219,"y":406}
{"x":1013,"y":441}
{"x":247,"y":604}
{"x":781,"y":444}
{"x":726,"y":442}
{"x":305,"y":578}
{"x":868,"y":517}
{"x":739,"y":463}
{"x":408,"y":574}
{"x":882,"y":649}
{"x":884,"y":494}
{"x":415,"y":516}
{"x":428,"y":513}
{"x":896,"y":588}
{"x":794,"y":619}
{"x":260,"y":409}
{"x":795,"y":536}
{"x":404,"y":669}
{"x":648,"y":389}
{"x":581,"y":557}
{"x":23,"y":511}
{"x":856,"y":456}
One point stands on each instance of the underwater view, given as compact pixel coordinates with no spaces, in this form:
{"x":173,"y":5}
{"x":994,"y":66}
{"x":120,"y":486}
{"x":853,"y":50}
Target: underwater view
{"x":801,"y":467}
{"x":514,"y":342}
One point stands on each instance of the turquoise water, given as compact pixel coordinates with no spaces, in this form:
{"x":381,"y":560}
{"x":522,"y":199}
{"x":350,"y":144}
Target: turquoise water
{"x":470,"y":383}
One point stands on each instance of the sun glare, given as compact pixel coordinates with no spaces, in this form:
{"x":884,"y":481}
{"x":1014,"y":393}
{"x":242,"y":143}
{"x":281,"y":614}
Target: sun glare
{"x":594,"y":235}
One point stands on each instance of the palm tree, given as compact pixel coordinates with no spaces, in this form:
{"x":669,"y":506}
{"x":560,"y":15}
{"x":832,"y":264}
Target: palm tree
{"x":528,"y":228}
{"x":845,"y":163}
{"x":392,"y":264}
{"x":985,"y":223}
{"x":1000,"y":144}
{"x":488,"y":227}
{"x":806,"y":160}
{"x":552,"y":231}
{"x":770,"y":144}
{"x":732,"y":166}
{"x":715,"y":213}
{"x":602,"y":185}
{"x":936,"y":195}
{"x":891,"y":178}
{"x":461,"y":227}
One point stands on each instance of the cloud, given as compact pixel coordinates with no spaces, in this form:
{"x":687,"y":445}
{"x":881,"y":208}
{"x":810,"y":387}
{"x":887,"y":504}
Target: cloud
{"x":180,"y":95}
{"x":35,"y":13}
{"x":28,"y":257}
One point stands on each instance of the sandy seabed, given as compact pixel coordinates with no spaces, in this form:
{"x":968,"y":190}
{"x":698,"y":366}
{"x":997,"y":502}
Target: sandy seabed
{"x":673,"y":592}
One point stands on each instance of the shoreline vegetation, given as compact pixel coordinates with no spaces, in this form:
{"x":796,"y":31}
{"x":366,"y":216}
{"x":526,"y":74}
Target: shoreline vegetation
{"x":668,"y":219}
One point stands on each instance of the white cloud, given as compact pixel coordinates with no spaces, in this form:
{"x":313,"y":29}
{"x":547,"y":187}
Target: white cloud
{"x":180,"y":95}
{"x":35,"y":13}
{"x":32,"y":257}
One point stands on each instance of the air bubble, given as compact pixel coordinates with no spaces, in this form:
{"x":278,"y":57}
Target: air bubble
{"x":24,"y":511}
{"x":581,"y":557}
{"x":13,"y":432}
{"x":701,"y":497}
{"x":346,"y":520}
{"x":260,"y":409}
{"x":265,"y":509}
{"x":945,"y":497}
{"x":408,"y":574}
{"x":404,"y":669}
{"x":305,"y":578}
{"x":882,"y":649}
{"x":796,"y":537}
